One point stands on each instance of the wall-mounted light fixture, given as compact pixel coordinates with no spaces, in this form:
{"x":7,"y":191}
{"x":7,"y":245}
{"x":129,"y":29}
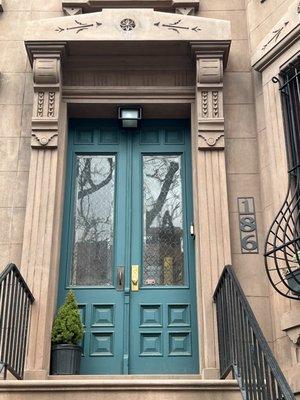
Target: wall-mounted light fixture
{"x":130,"y":116}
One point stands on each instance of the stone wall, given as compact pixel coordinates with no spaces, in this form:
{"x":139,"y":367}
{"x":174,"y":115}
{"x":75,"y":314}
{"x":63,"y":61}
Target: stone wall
{"x":243,"y":175}
{"x":262,"y":19}
{"x":15,"y":116}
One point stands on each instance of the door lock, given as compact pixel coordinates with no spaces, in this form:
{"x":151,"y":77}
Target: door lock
{"x":134,"y":278}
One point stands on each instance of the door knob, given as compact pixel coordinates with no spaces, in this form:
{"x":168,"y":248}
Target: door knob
{"x":134,"y":278}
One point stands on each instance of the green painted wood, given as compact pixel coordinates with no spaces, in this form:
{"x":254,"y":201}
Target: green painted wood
{"x":163,"y":337}
{"x":153,"y":330}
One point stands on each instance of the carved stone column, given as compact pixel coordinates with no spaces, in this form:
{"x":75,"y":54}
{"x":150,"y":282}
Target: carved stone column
{"x":41,"y":232}
{"x":213,"y":212}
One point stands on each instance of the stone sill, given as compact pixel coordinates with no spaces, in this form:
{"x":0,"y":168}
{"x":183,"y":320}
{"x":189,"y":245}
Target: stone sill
{"x":125,"y":377}
{"x":115,"y":383}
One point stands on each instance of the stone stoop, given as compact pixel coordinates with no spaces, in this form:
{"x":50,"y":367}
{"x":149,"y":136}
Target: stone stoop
{"x":120,"y":389}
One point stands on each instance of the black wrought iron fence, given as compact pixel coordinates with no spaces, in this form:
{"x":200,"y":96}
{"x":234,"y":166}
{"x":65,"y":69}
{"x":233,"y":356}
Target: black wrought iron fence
{"x":15,"y":304}
{"x":243,"y":348}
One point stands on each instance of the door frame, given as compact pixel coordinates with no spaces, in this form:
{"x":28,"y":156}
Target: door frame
{"x":43,"y":221}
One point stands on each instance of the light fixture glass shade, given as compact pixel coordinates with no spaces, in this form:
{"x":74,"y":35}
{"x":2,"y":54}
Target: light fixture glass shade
{"x":130,"y":123}
{"x":130,"y":116}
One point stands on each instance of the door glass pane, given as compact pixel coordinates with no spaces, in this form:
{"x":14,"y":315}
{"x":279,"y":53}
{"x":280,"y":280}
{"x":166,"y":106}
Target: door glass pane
{"x":163,"y":262}
{"x":93,"y":220}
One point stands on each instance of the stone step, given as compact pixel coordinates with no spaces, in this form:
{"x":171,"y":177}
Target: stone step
{"x":134,"y":388}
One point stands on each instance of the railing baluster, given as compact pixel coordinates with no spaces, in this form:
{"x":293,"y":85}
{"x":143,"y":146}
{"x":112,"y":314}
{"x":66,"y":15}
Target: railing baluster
{"x":11,"y":319}
{"x":267,"y":376}
{"x":228,"y":324}
{"x":244,"y":364}
{"x":232,"y":330}
{"x":243,"y":347}
{"x":20,"y":325}
{"x":7,"y":302}
{"x":249,"y":357}
{"x":16,"y":324}
{"x":15,"y":304}
{"x":2,"y":316}
{"x":220,"y":333}
{"x":26,"y":321}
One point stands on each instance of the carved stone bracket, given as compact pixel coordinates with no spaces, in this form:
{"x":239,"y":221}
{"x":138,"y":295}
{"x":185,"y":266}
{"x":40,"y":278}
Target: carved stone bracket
{"x":185,"y":10}
{"x":209,"y":96}
{"x":46,"y":102}
{"x":72,"y":11}
{"x":290,"y":323}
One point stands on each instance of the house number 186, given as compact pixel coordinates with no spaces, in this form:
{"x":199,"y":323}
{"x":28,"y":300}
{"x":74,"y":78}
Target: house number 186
{"x":247,"y":225}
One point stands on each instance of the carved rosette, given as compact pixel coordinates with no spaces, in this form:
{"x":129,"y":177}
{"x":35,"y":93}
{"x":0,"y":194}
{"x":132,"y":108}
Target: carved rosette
{"x":46,"y":103}
{"x":210,"y":103}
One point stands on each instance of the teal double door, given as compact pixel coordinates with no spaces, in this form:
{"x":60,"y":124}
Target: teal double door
{"x":127,"y":246}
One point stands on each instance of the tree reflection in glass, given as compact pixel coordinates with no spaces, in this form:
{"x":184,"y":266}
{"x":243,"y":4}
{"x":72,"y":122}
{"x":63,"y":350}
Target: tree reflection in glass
{"x":93,"y":220}
{"x":163,"y":262}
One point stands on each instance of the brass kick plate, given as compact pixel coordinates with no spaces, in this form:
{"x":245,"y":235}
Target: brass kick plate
{"x":134,"y":278}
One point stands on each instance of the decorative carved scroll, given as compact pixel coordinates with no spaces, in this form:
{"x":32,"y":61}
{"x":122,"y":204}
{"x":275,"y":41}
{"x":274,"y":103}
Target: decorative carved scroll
{"x":46,"y":103}
{"x":210,"y":103}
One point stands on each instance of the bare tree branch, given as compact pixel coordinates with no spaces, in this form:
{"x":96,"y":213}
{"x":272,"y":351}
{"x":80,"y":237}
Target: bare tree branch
{"x":87,"y":178}
{"x":150,"y":216}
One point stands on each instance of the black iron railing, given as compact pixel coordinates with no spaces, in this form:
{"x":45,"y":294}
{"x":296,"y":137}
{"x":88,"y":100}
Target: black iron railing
{"x":243,"y":348}
{"x":282,"y":247}
{"x":15,"y":304}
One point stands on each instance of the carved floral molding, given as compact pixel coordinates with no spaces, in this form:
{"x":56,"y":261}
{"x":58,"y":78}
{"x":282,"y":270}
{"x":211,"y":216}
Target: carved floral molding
{"x":78,"y":27}
{"x":177,"y":26}
{"x":129,"y":24}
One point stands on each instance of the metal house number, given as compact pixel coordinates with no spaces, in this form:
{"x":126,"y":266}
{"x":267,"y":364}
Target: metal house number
{"x":247,"y":223}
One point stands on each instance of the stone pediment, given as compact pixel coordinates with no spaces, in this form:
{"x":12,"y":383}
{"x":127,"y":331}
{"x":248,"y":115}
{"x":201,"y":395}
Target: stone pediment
{"x":128,"y":25}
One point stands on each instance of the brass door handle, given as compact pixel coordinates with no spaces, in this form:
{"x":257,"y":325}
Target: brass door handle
{"x":134,"y":278}
{"x":120,"y":278}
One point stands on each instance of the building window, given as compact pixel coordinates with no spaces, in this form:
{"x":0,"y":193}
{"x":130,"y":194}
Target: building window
{"x":282,"y":248}
{"x":290,"y":90}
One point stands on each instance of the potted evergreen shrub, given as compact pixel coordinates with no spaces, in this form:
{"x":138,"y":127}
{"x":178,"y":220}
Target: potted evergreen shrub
{"x":67,"y":333}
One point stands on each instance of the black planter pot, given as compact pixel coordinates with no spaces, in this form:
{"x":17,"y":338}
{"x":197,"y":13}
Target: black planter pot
{"x":293,"y":280}
{"x":65,"y":359}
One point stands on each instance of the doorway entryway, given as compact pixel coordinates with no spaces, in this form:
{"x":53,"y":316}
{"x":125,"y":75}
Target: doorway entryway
{"x":128,"y":246}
